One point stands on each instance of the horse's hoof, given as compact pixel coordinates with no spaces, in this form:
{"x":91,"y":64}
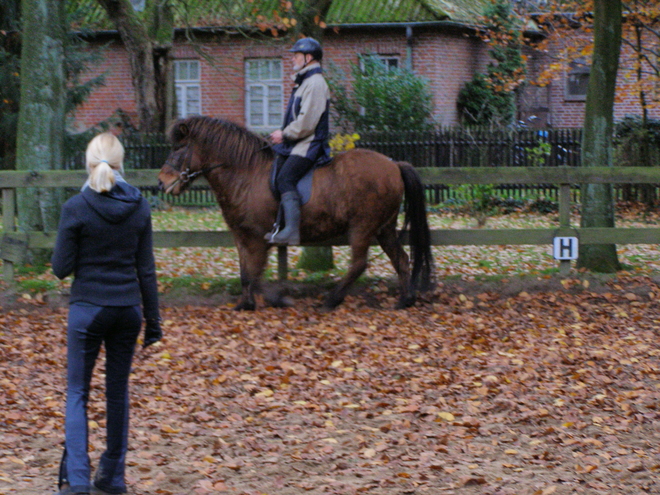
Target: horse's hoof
{"x":331,"y":302}
{"x":406,"y":302}
{"x":277,"y":298}
{"x":282,"y":302}
{"x":245,"y":306}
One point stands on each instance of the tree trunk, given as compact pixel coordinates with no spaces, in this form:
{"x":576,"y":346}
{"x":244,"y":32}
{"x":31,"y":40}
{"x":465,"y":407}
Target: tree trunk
{"x":597,"y":199}
{"x":161,"y":31}
{"x":41,"y":123}
{"x":10,"y":44}
{"x":148,"y":48}
{"x":316,"y":259}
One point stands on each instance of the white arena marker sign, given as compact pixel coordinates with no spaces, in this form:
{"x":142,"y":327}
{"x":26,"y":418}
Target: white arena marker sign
{"x":565,"y":248}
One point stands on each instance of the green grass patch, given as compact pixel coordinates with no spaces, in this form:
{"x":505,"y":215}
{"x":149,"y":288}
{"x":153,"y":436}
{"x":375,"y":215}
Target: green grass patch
{"x":200,"y":285}
{"x":323,"y":278}
{"x":31,"y":270}
{"x":34,"y":285}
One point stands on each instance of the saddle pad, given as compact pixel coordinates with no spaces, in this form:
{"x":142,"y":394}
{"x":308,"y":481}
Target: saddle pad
{"x":304,"y":185}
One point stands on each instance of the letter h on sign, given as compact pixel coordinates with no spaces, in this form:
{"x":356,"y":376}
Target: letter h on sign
{"x":565,"y":248}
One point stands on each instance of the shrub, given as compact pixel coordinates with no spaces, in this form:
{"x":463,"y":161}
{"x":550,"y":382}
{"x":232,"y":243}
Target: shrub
{"x":489,"y":99}
{"x":383,"y":98}
{"x":637,"y":142}
{"x":478,"y":201}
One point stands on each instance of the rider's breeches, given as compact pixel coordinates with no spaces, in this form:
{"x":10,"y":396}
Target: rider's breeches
{"x":291,"y":171}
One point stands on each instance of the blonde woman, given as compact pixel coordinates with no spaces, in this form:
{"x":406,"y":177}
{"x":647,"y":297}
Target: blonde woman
{"x":105,"y":240}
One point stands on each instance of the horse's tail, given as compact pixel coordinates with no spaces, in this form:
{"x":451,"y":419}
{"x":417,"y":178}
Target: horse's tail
{"x":419,"y":234}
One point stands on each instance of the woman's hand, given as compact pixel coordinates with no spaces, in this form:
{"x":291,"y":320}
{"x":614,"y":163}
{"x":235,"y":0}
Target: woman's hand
{"x":152,"y":332}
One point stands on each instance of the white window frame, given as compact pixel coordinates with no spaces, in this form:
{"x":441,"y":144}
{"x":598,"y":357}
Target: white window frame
{"x":391,"y":61}
{"x":187,"y":86}
{"x":268,"y":80}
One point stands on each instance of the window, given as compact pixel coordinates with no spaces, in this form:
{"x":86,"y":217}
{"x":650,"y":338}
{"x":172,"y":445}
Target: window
{"x":389,"y":61}
{"x":138,"y":5}
{"x":187,"y":84}
{"x":263,"y":89}
{"x":577,"y":80}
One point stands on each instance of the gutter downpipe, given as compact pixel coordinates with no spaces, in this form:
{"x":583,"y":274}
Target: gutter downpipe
{"x":409,"y":43}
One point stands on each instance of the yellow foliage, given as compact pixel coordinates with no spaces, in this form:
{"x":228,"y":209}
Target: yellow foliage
{"x":343,"y":142}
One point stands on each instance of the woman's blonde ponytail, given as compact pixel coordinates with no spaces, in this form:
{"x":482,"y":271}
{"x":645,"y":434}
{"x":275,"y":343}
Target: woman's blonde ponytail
{"x":103,"y":157}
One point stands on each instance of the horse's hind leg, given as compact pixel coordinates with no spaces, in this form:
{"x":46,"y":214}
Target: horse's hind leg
{"x":359,"y":252}
{"x":389,"y":241}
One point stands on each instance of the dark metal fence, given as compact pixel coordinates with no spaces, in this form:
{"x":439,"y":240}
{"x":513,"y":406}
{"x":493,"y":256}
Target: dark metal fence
{"x":461,"y":147}
{"x":448,"y":147}
{"x":149,"y":151}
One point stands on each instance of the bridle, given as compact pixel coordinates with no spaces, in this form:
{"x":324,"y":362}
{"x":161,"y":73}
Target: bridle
{"x":186,"y":176}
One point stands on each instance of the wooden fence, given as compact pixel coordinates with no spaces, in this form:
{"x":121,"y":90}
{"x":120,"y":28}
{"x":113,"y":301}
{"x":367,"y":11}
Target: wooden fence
{"x":14,"y":243}
{"x":465,"y":147}
{"x":445,"y":147}
{"x":481,"y":147}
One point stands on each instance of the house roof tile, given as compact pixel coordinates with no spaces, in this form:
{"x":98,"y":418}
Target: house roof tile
{"x":220,"y":13}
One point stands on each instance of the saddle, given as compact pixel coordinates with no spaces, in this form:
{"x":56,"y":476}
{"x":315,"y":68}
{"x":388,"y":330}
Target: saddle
{"x":304,"y":188}
{"x":304,"y":185}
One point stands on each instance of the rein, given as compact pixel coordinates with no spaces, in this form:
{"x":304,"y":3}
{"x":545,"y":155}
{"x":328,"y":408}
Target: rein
{"x":185,"y":176}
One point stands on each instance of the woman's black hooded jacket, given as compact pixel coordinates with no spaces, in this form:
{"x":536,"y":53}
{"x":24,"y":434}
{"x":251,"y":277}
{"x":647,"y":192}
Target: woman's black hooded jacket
{"x":105,"y":240}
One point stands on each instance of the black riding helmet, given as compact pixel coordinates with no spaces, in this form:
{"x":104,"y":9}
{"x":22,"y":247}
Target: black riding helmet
{"x":308,"y":45}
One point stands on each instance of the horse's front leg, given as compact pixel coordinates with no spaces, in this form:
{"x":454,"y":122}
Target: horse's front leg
{"x":252,"y":257}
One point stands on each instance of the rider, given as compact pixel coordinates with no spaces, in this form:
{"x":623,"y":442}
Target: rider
{"x":303,"y":138}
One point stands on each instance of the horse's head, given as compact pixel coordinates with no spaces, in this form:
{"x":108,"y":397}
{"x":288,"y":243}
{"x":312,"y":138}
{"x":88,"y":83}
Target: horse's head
{"x":183,"y":163}
{"x":209,"y":146}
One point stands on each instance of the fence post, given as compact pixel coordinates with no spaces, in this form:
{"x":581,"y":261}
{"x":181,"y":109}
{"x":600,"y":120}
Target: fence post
{"x":564,"y":221}
{"x":282,"y":263}
{"x":8,"y":225}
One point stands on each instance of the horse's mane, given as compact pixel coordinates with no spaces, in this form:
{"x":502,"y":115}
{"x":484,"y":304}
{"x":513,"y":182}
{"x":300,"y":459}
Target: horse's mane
{"x":223,"y":141}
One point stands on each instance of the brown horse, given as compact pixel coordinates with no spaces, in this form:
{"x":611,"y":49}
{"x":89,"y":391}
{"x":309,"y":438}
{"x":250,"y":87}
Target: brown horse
{"x":359,"y":194}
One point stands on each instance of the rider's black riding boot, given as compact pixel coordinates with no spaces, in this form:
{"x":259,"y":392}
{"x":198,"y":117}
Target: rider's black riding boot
{"x":290,"y":235}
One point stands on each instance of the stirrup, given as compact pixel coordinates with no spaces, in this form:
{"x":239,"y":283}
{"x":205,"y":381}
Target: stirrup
{"x":290,"y":240}
{"x":269,"y":236}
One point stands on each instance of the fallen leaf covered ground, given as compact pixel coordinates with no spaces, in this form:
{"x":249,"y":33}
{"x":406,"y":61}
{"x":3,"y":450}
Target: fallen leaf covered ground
{"x":535,"y":385}
{"x":469,"y":392}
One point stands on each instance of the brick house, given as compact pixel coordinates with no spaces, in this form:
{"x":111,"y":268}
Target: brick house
{"x":245,"y":79}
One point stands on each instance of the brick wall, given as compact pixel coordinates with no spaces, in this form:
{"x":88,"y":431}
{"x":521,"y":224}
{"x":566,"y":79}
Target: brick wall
{"x":446,"y":59}
{"x":448,"y":62}
{"x":116,"y":93}
{"x":565,"y":112}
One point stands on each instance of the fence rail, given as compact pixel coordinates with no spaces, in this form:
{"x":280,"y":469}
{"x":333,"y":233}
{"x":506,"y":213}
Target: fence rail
{"x":15,"y":243}
{"x":465,"y":147}
{"x":444,"y":148}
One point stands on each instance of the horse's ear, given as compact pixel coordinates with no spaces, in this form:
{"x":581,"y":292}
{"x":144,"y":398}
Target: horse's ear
{"x":183,"y":130}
